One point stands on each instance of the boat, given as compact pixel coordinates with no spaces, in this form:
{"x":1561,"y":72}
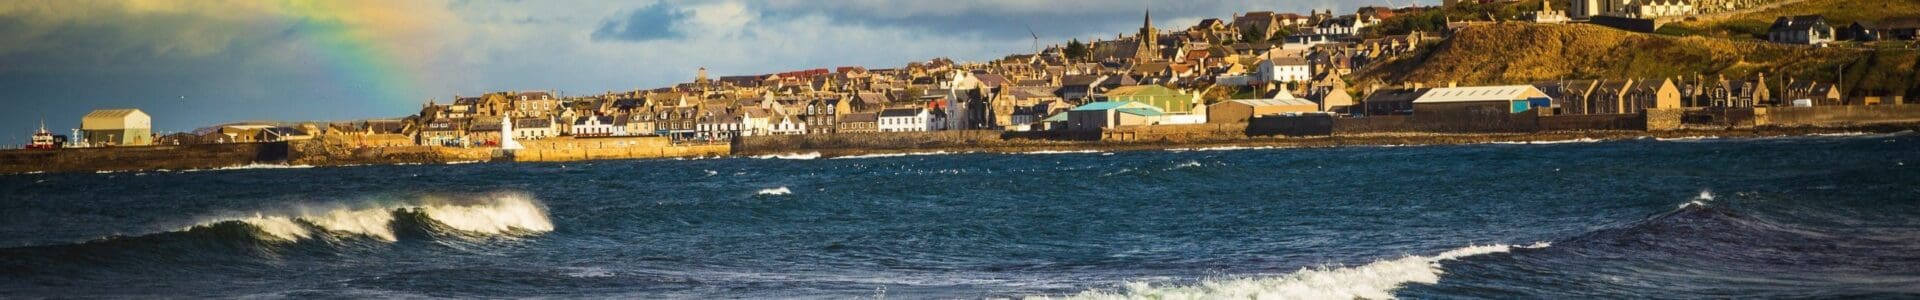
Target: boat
{"x":43,"y":139}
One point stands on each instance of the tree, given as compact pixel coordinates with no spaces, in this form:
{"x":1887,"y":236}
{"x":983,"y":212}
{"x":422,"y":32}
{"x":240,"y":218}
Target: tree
{"x":1253,"y":35}
{"x":1077,"y":50}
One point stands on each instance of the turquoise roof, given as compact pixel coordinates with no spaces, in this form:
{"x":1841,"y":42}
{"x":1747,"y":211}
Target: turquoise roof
{"x":1059,"y":117}
{"x":1144,"y":112}
{"x":1104,"y":105}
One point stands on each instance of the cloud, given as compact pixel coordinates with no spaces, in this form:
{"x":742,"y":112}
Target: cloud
{"x":654,"y":22}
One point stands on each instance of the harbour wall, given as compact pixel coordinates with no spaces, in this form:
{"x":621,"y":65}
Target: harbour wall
{"x":599,"y":148}
{"x":140,"y":158}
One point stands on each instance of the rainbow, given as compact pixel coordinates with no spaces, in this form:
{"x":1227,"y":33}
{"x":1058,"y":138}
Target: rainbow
{"x":362,"y":45}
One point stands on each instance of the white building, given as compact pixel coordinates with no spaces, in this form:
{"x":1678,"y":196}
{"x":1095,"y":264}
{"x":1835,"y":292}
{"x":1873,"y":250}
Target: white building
{"x":786,"y":125}
{"x":1284,"y":69}
{"x":534,"y":128}
{"x":593,"y":126}
{"x":906,"y":120}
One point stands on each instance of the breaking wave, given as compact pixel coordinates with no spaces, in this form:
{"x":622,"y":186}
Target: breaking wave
{"x":791,"y":156}
{"x":774,"y":191}
{"x":500,"y":215}
{"x":1376,"y":280}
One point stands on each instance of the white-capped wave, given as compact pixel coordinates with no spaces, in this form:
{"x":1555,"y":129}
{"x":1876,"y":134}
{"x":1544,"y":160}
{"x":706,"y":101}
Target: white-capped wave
{"x":793,"y":156}
{"x":1060,"y":152}
{"x":1572,"y":141}
{"x":1699,"y":201}
{"x":1375,"y":280}
{"x":885,"y":155}
{"x":497,"y":215}
{"x":1224,"y":148}
{"x":774,"y":191}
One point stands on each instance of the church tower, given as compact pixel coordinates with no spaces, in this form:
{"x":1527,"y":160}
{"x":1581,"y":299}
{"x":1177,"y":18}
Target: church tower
{"x":1149,"y":39}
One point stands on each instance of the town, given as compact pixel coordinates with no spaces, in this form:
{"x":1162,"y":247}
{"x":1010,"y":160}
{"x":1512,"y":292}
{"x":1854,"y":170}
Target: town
{"x":1259,"y":72}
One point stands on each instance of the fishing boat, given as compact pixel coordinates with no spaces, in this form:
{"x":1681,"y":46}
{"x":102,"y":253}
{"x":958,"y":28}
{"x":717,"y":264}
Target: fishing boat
{"x":43,"y":139}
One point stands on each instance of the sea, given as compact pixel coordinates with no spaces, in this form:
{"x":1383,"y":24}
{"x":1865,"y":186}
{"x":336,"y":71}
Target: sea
{"x":1830,"y":216}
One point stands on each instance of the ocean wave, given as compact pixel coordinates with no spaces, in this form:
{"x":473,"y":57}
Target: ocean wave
{"x":1225,"y":148}
{"x":499,"y":215}
{"x":774,"y":191}
{"x":1377,"y":280}
{"x":887,"y":155}
{"x":1551,"y":142}
{"x":1043,"y":152}
{"x":791,"y":156}
{"x":252,"y":166}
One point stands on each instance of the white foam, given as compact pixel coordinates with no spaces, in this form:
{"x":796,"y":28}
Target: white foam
{"x":1688,"y":139}
{"x":793,"y":156}
{"x":1223,"y":148}
{"x":1375,"y":280}
{"x":1060,"y":152}
{"x":774,"y":191}
{"x":501,"y":214}
{"x":464,"y":162}
{"x":1572,"y":141}
{"x":1188,"y":164}
{"x":1699,"y":201}
{"x":504,"y":215}
{"x":885,"y":155}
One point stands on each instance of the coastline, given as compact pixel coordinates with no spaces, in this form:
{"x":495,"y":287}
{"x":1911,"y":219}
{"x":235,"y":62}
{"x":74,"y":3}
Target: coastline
{"x":1011,"y":146}
{"x":1363,"y":140}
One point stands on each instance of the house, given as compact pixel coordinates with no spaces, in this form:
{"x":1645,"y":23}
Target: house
{"x":1284,"y":69}
{"x":1898,"y":28}
{"x":590,"y":126}
{"x":1800,"y":30}
{"x":1546,"y":14}
{"x":906,"y":120}
{"x":1810,"y":93}
{"x":1239,"y":111}
{"x":1609,"y":97}
{"x":1859,"y":32}
{"x":755,"y":120}
{"x":1472,"y":102}
{"x":1651,"y":94}
{"x":534,"y":128}
{"x":444,"y":132}
{"x":117,"y":127}
{"x":1017,"y":102}
{"x":484,"y":132}
{"x":1572,"y":94}
{"x":1637,"y":9}
{"x":786,"y":125}
{"x":714,"y":125}
{"x":1332,"y":96}
{"x":1109,"y":114}
{"x":638,"y":123}
{"x":1393,"y":101}
{"x":858,"y":123}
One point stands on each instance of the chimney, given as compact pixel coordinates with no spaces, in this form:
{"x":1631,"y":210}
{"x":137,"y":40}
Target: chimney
{"x":1453,"y":84}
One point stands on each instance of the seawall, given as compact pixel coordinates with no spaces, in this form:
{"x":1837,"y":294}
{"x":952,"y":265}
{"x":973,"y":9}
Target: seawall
{"x":141,"y":158}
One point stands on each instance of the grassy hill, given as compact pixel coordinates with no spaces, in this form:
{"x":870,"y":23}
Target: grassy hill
{"x":1754,"y":24}
{"x":1514,"y":53}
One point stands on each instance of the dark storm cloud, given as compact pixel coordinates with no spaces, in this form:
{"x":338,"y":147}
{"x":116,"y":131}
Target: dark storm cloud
{"x":654,"y":22}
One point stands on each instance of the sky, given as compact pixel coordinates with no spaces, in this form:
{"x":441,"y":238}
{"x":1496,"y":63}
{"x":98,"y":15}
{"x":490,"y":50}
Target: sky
{"x":197,"y":63}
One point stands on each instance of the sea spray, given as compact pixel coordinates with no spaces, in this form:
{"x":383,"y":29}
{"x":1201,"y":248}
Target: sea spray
{"x":495,"y":215}
{"x":1375,"y":280}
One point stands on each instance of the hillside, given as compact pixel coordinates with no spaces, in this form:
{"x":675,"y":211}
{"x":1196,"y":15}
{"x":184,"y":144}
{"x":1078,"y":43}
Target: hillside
{"x":1513,"y":53}
{"x":1754,"y":24}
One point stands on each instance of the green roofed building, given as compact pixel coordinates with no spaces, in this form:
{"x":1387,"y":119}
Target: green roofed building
{"x":1168,"y":100}
{"x":1110,"y":114}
